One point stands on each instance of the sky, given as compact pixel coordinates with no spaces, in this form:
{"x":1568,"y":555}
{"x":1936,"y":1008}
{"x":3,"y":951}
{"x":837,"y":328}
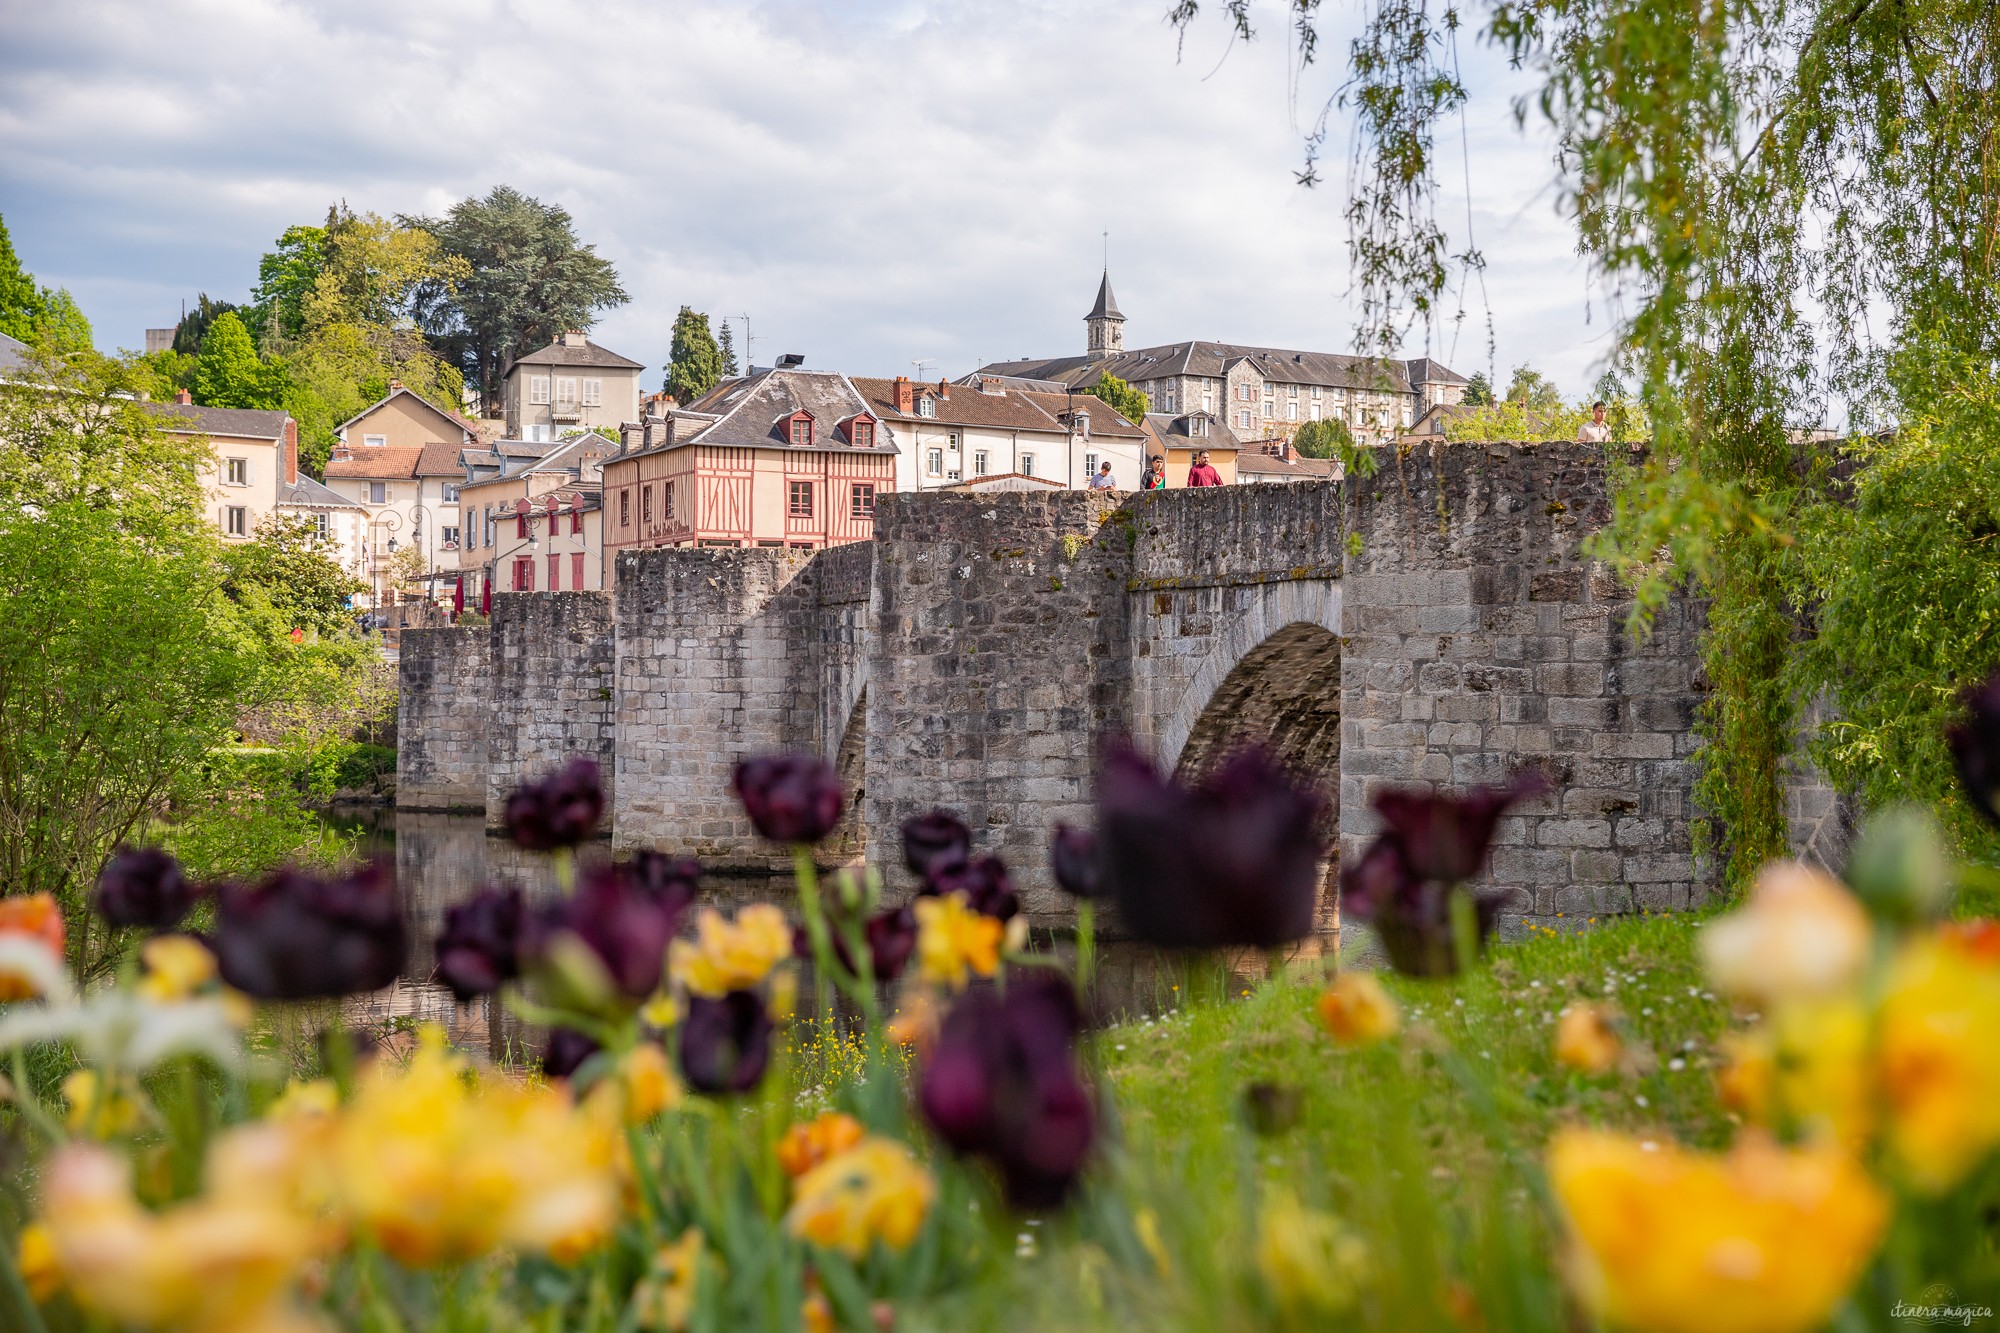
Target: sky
{"x":881,"y":186}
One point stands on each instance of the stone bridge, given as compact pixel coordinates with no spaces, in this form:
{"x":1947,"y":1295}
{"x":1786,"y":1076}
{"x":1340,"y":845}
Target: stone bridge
{"x":1435,"y":624}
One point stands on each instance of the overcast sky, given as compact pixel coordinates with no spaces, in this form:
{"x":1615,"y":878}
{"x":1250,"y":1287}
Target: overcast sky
{"x":873,"y":184}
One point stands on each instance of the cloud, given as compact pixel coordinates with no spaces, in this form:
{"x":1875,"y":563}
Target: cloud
{"x":874,"y":184}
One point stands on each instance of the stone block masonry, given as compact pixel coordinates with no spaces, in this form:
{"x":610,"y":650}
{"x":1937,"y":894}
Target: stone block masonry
{"x":1434,"y":625}
{"x":445,"y":698}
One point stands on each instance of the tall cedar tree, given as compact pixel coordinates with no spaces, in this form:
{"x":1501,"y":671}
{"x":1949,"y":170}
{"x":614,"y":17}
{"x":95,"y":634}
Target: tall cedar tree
{"x":20,"y":302}
{"x":726,"y":340}
{"x":528,"y":280}
{"x":697,"y":361}
{"x":227,"y":373}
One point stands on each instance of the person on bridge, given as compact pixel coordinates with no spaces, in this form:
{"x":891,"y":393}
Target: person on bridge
{"x":1596,"y":430}
{"x":1156,"y":474}
{"x":1101,"y":479}
{"x":1202,"y":474}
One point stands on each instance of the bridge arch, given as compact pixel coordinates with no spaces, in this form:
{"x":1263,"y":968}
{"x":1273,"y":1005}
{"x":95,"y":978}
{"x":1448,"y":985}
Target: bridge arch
{"x":849,"y":839}
{"x":1274,"y":608}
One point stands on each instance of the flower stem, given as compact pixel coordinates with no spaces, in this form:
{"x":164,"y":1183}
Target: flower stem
{"x":14,"y":1298}
{"x":1086,"y":944}
{"x":806,"y":875}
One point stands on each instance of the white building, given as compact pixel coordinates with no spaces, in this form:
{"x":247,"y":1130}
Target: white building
{"x":950,"y":435}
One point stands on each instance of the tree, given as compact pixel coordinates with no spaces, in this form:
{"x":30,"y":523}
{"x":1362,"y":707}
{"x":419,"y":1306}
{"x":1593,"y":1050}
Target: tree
{"x":62,"y":324}
{"x":727,"y":342}
{"x":1794,"y":206}
{"x":1323,"y":439}
{"x":286,"y":277}
{"x":696,"y":362}
{"x":228,"y":373}
{"x":1533,"y":390}
{"x":1478,"y":390}
{"x":20,"y":300}
{"x":1127,"y":401}
{"x":193,"y":326}
{"x":342,"y":368}
{"x":371,"y":271}
{"x":527,"y":280}
{"x":297,"y":570}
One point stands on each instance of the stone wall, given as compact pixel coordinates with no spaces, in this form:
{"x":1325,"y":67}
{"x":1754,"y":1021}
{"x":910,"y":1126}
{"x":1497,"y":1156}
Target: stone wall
{"x":441,"y":722}
{"x":553,"y":694}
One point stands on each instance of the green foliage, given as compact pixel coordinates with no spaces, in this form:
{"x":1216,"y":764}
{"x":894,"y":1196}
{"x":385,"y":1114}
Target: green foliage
{"x":726,"y":345}
{"x":162,"y":374}
{"x":1478,"y":390}
{"x":1127,"y":401}
{"x":62,"y":324}
{"x":527,"y":280}
{"x":228,"y":372}
{"x":286,"y":278}
{"x":1323,"y":439}
{"x":696,"y":362}
{"x":341,"y":368}
{"x":20,"y":300}
{"x":1533,"y":390}
{"x":297,"y":571}
{"x":194,"y":325}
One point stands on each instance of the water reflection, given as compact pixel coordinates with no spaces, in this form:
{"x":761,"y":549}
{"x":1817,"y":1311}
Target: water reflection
{"x":441,"y":859}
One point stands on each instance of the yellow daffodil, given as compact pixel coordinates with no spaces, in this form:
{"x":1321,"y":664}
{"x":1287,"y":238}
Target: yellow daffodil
{"x":726,"y":956}
{"x":662,"y":1012}
{"x":816,"y":1314}
{"x":663,"y":1301}
{"x":874,"y":1191}
{"x":100,"y":1108}
{"x":1357,"y":1011}
{"x":809,"y":1143}
{"x":1586,"y":1041}
{"x":955,"y":943}
{"x":440,"y":1167}
{"x":1743,"y":1084}
{"x":1310,"y":1260}
{"x":1146,"y":1225}
{"x":31,"y":947}
{"x":1938,"y":1066}
{"x":305,"y":1097}
{"x":1820,"y":1077}
{"x":1664,"y":1240}
{"x":1800,"y":934}
{"x":643,"y":1084}
{"x":177,"y":966}
{"x":35,"y":1259}
{"x":212,"y":1264}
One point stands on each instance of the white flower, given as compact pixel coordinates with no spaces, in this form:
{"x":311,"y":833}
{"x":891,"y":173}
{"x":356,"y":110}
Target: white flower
{"x":1800,"y":934}
{"x":115,"y":1029}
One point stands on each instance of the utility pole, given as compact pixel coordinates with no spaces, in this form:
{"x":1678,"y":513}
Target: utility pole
{"x":749,"y":345}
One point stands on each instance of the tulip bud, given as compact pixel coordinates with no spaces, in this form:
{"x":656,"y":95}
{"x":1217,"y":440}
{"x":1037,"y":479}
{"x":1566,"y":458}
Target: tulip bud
{"x":298,"y":937}
{"x":1073,"y":858}
{"x":560,"y":810}
{"x":790,"y":798}
{"x":480,"y":945}
{"x":725,"y":1043}
{"x":934,"y":838}
{"x":143,"y":886}
{"x":1899,"y":868}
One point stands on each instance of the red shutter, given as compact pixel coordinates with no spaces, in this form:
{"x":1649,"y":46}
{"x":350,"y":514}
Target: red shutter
{"x":520,"y":525}
{"x":575,"y":520}
{"x":576,"y":570}
{"x":555,"y":572}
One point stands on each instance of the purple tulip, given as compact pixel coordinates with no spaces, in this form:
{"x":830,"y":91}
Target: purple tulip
{"x":672,"y":883}
{"x":1232,"y":860}
{"x":790,"y":798}
{"x":987,"y":887}
{"x":935,"y":838}
{"x":560,"y":810}
{"x":299,"y":937}
{"x":1429,"y":847}
{"x":1975,"y":748}
{"x":891,"y":936}
{"x":565,"y":1052}
{"x":622,"y":920}
{"x":1002,"y":1083}
{"x":480,"y":946}
{"x":144,"y":886}
{"x":725,"y":1043}
{"x":1073,"y":858}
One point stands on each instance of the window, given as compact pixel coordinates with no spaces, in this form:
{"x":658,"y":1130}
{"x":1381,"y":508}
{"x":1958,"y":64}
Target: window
{"x":1270,"y":409}
{"x":1090,"y":465}
{"x":801,"y":505}
{"x":524,"y":574}
{"x":646,"y":505}
{"x":236,"y":471}
{"x":322,"y":524}
{"x":1291,"y":390}
{"x":926,"y":406}
{"x":1207,"y":400}
{"x":863,"y":434}
{"x":1315,"y":392}
{"x":625,"y":508}
{"x":576,"y":570}
{"x":934,"y":462}
{"x":1291,"y":411}
{"x":1027,"y":465}
{"x":378,"y":492}
{"x":492,"y":527}
{"x":861,"y":501}
{"x":555,"y":572}
{"x":449,"y":536}
{"x":979,"y":463}
{"x":448,"y":492}
{"x":1243,"y":419}
{"x":1198,"y":426}
{"x":566,"y":391}
{"x":575,"y":521}
{"x":538,"y":388}
{"x":375,"y":441}
{"x":593,"y":393}
{"x":802,"y":432}
{"x":770,"y":546}
{"x":1316,"y":410}
{"x":669,"y":490}
{"x":521,"y":525}
{"x":1170,"y":401}
{"x":1245,"y":392}
{"x":1083,"y":424}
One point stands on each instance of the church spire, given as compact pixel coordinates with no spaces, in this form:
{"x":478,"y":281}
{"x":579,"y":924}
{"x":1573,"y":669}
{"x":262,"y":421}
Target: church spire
{"x":1105,"y":324}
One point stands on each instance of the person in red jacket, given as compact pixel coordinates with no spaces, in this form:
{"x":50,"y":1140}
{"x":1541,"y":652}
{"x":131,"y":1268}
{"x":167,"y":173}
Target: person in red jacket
{"x":1201,"y":474}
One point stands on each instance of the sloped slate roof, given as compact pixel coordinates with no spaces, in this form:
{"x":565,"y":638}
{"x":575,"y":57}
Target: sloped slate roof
{"x":1211,"y":360}
{"x":757,"y":415}
{"x":13,"y":353}
{"x":1107,"y":304}
{"x":560,"y":353}
{"x":1425,"y":370}
{"x":966,"y":406}
{"x":244,"y":423}
{"x":1104,"y":418}
{"x":305,"y":493}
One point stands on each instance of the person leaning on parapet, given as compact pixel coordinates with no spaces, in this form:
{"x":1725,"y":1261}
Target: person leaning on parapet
{"x":1596,"y":430}
{"x":1100,"y":480}
{"x":1201,"y":474}
{"x":1156,"y":474}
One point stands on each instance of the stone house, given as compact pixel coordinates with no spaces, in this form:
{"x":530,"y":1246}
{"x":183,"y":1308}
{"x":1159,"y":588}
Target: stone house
{"x":783,"y":458}
{"x":1254,"y":390}
{"x":984,"y":426}
{"x":572,"y":384}
{"x":534,"y":523}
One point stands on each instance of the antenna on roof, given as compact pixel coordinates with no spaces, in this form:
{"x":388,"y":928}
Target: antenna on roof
{"x":919,"y":365}
{"x":749,"y":355}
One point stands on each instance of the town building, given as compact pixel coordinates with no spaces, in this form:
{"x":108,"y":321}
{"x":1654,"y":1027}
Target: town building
{"x":534,"y":522}
{"x":570,"y":385}
{"x":403,"y":419}
{"x":253,"y":476}
{"x":410,"y":495}
{"x":1256,"y":391}
{"x":1179,"y":437}
{"x":949,"y":436}
{"x":1263,"y":462}
{"x":783,"y":457}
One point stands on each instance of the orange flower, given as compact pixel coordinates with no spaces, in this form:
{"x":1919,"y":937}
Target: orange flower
{"x":33,"y":924}
{"x":1937,"y":1062}
{"x":808,"y":1144}
{"x":1357,"y":1011}
{"x":1585,"y":1040}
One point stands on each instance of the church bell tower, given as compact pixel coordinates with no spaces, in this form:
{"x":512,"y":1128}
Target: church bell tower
{"x":1106,"y":326}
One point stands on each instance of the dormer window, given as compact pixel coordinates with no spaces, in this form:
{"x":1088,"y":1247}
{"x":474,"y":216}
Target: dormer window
{"x":926,"y":406}
{"x":802,"y":431}
{"x":862,"y":434}
{"x":1197,"y":425}
{"x":1083,"y":424}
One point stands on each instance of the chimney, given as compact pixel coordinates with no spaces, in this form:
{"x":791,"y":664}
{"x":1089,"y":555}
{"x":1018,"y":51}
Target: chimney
{"x":990,"y":384}
{"x":394,"y":385}
{"x":944,"y":389}
{"x":183,"y":397}
{"x":291,"y":452}
{"x":906,"y":398}
{"x":573,"y":338}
